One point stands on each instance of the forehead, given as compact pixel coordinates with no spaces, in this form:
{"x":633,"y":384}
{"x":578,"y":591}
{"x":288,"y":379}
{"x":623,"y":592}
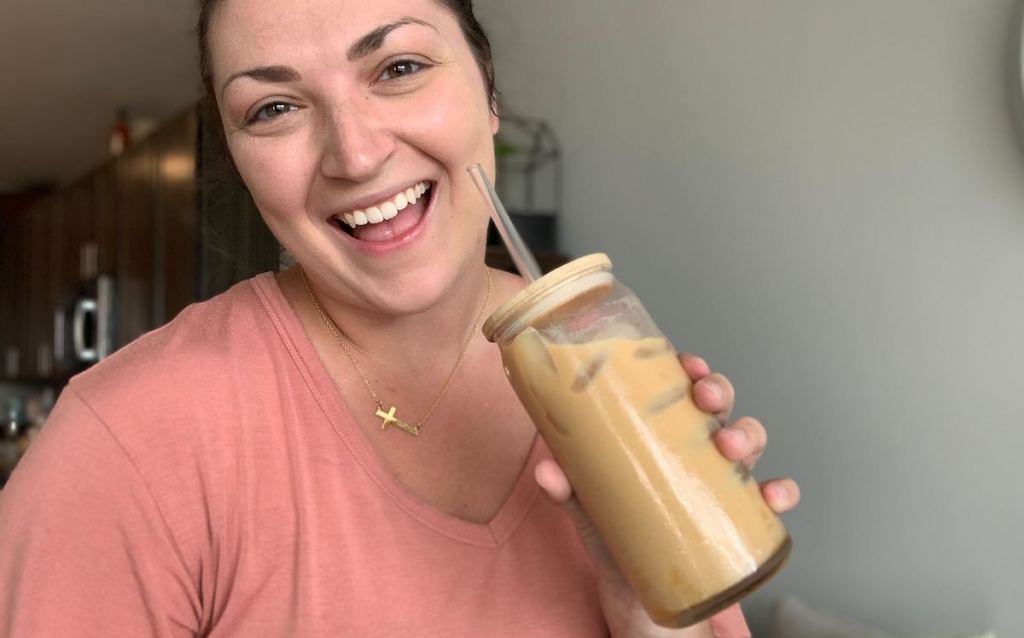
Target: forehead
{"x":246,"y":32}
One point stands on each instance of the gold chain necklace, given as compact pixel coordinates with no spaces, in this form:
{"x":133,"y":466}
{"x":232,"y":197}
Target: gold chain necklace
{"x":389,"y":417}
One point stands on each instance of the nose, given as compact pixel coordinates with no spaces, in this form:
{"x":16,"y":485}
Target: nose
{"x":356,"y":144}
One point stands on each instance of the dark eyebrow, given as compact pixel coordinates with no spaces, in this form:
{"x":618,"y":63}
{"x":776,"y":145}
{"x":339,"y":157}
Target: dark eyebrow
{"x":362,"y":47}
{"x":375,"y":39}
{"x":265,"y":74}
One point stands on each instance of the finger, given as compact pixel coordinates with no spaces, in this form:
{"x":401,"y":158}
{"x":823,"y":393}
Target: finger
{"x":555,"y":483}
{"x":552,"y":480}
{"x":714,"y":394}
{"x":781,"y":495}
{"x":743,"y":440}
{"x":696,"y":367}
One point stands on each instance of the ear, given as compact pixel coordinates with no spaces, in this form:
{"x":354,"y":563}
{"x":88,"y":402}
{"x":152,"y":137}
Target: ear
{"x":495,"y":120}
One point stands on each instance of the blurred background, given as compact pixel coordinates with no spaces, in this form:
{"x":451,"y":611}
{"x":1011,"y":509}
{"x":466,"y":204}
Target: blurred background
{"x":824,"y":199}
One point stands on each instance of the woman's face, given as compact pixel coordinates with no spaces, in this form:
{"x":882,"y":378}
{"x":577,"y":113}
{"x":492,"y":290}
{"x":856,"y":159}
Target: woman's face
{"x":333,"y":110}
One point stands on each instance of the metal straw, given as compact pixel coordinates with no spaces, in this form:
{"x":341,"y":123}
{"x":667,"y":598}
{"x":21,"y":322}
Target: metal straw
{"x":521,"y":255}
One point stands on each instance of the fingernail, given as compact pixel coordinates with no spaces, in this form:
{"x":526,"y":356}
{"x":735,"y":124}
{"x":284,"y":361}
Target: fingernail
{"x":739,"y":435}
{"x":714,"y":389}
{"x":780,"y":492}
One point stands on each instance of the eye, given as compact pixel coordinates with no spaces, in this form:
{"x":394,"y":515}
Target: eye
{"x":270,"y":111}
{"x":401,"y":68}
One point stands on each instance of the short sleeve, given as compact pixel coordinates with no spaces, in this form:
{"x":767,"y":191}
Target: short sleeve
{"x":84,"y":550}
{"x":730,"y":623}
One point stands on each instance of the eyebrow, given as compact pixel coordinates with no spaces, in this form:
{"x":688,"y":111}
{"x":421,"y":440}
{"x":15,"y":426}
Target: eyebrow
{"x":277,"y":74}
{"x":362,"y":47}
{"x":375,"y":39}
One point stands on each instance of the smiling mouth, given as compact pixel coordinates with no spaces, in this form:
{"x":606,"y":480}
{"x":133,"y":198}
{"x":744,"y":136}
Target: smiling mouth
{"x":389,"y":218}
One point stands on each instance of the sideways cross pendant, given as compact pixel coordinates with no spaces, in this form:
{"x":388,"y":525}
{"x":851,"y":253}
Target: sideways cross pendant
{"x":389,"y":418}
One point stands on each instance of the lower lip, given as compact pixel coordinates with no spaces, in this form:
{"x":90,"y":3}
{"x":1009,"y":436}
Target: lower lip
{"x":398,"y":242}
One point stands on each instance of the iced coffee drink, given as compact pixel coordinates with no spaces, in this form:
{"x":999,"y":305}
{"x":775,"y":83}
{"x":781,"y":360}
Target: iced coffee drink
{"x":688,"y":528}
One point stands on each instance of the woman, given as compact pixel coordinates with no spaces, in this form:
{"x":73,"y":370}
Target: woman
{"x":228,"y":475}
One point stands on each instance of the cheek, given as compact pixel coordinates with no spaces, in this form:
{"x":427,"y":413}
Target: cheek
{"x":275,"y":170}
{"x":452,"y":124}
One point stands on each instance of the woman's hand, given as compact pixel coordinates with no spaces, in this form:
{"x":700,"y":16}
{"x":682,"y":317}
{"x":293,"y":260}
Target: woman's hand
{"x":742,"y":440}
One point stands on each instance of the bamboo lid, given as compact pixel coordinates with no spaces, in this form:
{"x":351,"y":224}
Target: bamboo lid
{"x":550,"y":283}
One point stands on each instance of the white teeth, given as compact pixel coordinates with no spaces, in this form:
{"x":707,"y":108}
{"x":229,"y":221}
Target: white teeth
{"x":387,"y":210}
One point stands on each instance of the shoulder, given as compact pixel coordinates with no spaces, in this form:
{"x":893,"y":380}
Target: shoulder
{"x":189,"y":353}
{"x":187,"y":382}
{"x":154,"y":438}
{"x":175,"y":401}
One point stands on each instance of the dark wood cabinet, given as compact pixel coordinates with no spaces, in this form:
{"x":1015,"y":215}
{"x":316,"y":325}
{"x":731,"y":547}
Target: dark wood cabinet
{"x":134,"y":249}
{"x":38,"y":351}
{"x":8,"y":257}
{"x":234,"y":242}
{"x":175,"y":272}
{"x":136,"y":219}
{"x":15,"y":233}
{"x":106,"y":206}
{"x":167,"y":222}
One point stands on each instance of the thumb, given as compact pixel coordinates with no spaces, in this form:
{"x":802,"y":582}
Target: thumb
{"x":555,"y":483}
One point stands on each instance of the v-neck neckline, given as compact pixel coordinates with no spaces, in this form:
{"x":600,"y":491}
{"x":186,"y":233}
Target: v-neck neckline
{"x":339,"y":416}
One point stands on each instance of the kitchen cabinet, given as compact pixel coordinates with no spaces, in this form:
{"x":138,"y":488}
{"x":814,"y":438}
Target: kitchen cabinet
{"x":167,"y":222}
{"x":136,"y":219}
{"x":7,"y":258}
{"x":38,"y":354}
{"x":13,"y":235}
{"x":175,"y":224}
{"x":135,"y":250}
{"x":234,"y":242}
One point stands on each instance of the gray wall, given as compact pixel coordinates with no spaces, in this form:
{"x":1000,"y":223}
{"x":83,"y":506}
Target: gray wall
{"x":826,"y":199}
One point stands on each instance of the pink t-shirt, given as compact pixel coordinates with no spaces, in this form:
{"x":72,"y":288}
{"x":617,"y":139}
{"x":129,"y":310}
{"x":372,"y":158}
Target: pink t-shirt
{"x":208,"y":480}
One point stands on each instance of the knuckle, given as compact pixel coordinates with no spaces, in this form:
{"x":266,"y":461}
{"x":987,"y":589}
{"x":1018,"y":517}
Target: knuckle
{"x":723,"y":380}
{"x":754,"y":428}
{"x":784,"y":491}
{"x":794,"y":490}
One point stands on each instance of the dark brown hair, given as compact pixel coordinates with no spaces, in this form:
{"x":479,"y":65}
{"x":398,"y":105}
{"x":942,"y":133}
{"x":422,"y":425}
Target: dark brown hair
{"x":461,"y":9}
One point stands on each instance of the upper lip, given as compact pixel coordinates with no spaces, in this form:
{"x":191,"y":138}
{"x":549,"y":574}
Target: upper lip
{"x":363,"y":203}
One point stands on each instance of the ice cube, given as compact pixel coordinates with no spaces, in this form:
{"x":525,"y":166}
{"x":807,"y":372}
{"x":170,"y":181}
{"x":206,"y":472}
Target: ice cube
{"x":534,"y":349}
{"x":651,"y":350}
{"x":587,"y":372}
{"x":667,"y":399}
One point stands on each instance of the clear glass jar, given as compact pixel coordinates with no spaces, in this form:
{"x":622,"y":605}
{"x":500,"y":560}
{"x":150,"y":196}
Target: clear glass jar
{"x":688,"y":528}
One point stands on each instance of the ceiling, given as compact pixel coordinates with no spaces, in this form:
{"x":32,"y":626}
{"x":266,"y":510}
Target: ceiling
{"x":71,"y":64}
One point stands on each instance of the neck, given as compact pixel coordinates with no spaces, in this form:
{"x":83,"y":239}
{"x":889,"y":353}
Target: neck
{"x":418,"y":342}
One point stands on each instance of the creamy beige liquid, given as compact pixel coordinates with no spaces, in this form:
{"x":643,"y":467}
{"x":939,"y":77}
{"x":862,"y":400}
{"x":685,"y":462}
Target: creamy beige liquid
{"x":683,"y":523}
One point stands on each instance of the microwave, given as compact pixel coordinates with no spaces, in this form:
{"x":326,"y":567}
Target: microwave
{"x":84,"y":324}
